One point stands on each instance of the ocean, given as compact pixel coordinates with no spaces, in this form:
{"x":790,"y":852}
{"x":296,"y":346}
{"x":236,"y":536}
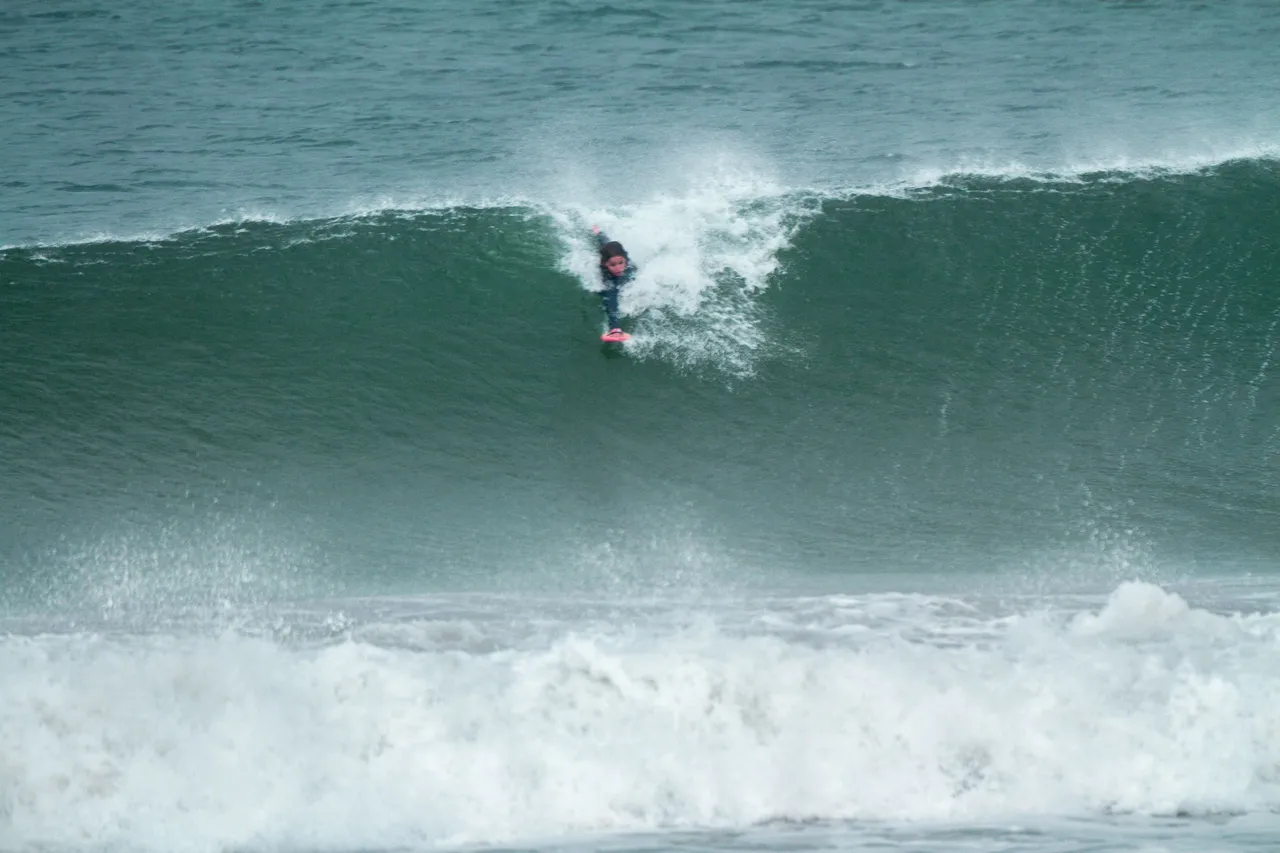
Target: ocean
{"x":934,"y":505}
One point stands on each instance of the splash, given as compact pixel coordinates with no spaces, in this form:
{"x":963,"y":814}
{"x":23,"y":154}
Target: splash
{"x":705,"y":255}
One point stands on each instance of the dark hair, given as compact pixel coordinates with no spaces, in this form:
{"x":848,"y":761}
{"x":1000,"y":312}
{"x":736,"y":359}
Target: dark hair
{"x":612,"y":249}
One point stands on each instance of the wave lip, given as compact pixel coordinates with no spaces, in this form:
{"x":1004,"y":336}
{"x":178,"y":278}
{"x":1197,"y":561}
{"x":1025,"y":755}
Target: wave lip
{"x":1118,"y":168}
{"x":709,"y":191}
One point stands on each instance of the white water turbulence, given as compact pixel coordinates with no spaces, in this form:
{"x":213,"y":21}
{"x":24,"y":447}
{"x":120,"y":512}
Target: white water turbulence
{"x":446,"y":721}
{"x":705,"y":252}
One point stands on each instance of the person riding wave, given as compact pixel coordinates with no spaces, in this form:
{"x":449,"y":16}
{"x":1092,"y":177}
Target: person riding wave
{"x":616,"y":270}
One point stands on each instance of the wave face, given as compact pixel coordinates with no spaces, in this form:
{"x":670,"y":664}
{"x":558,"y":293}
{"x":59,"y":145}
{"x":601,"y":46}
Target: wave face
{"x":981,"y":374}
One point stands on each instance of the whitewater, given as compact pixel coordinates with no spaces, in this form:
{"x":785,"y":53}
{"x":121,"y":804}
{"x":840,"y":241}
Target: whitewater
{"x":482,"y":720}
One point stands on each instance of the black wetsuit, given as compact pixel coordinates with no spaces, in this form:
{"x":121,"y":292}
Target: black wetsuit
{"x":612,"y":285}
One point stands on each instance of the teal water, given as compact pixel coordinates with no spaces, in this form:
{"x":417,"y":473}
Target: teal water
{"x":932,"y":506}
{"x":126,"y":120}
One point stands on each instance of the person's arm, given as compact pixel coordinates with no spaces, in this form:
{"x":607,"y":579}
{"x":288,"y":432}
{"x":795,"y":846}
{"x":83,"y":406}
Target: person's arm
{"x":600,"y":235}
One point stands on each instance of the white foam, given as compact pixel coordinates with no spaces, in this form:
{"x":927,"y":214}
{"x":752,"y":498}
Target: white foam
{"x":704,"y":254}
{"x":465,"y":728}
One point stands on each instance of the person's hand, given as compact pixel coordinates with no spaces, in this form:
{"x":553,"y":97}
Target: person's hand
{"x":595,"y":229}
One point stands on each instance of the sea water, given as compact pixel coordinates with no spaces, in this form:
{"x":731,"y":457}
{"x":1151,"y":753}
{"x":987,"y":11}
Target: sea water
{"x":933,"y":505}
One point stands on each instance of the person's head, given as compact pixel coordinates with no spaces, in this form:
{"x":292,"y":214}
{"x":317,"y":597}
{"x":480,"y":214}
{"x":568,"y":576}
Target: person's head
{"x":614,"y":258}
